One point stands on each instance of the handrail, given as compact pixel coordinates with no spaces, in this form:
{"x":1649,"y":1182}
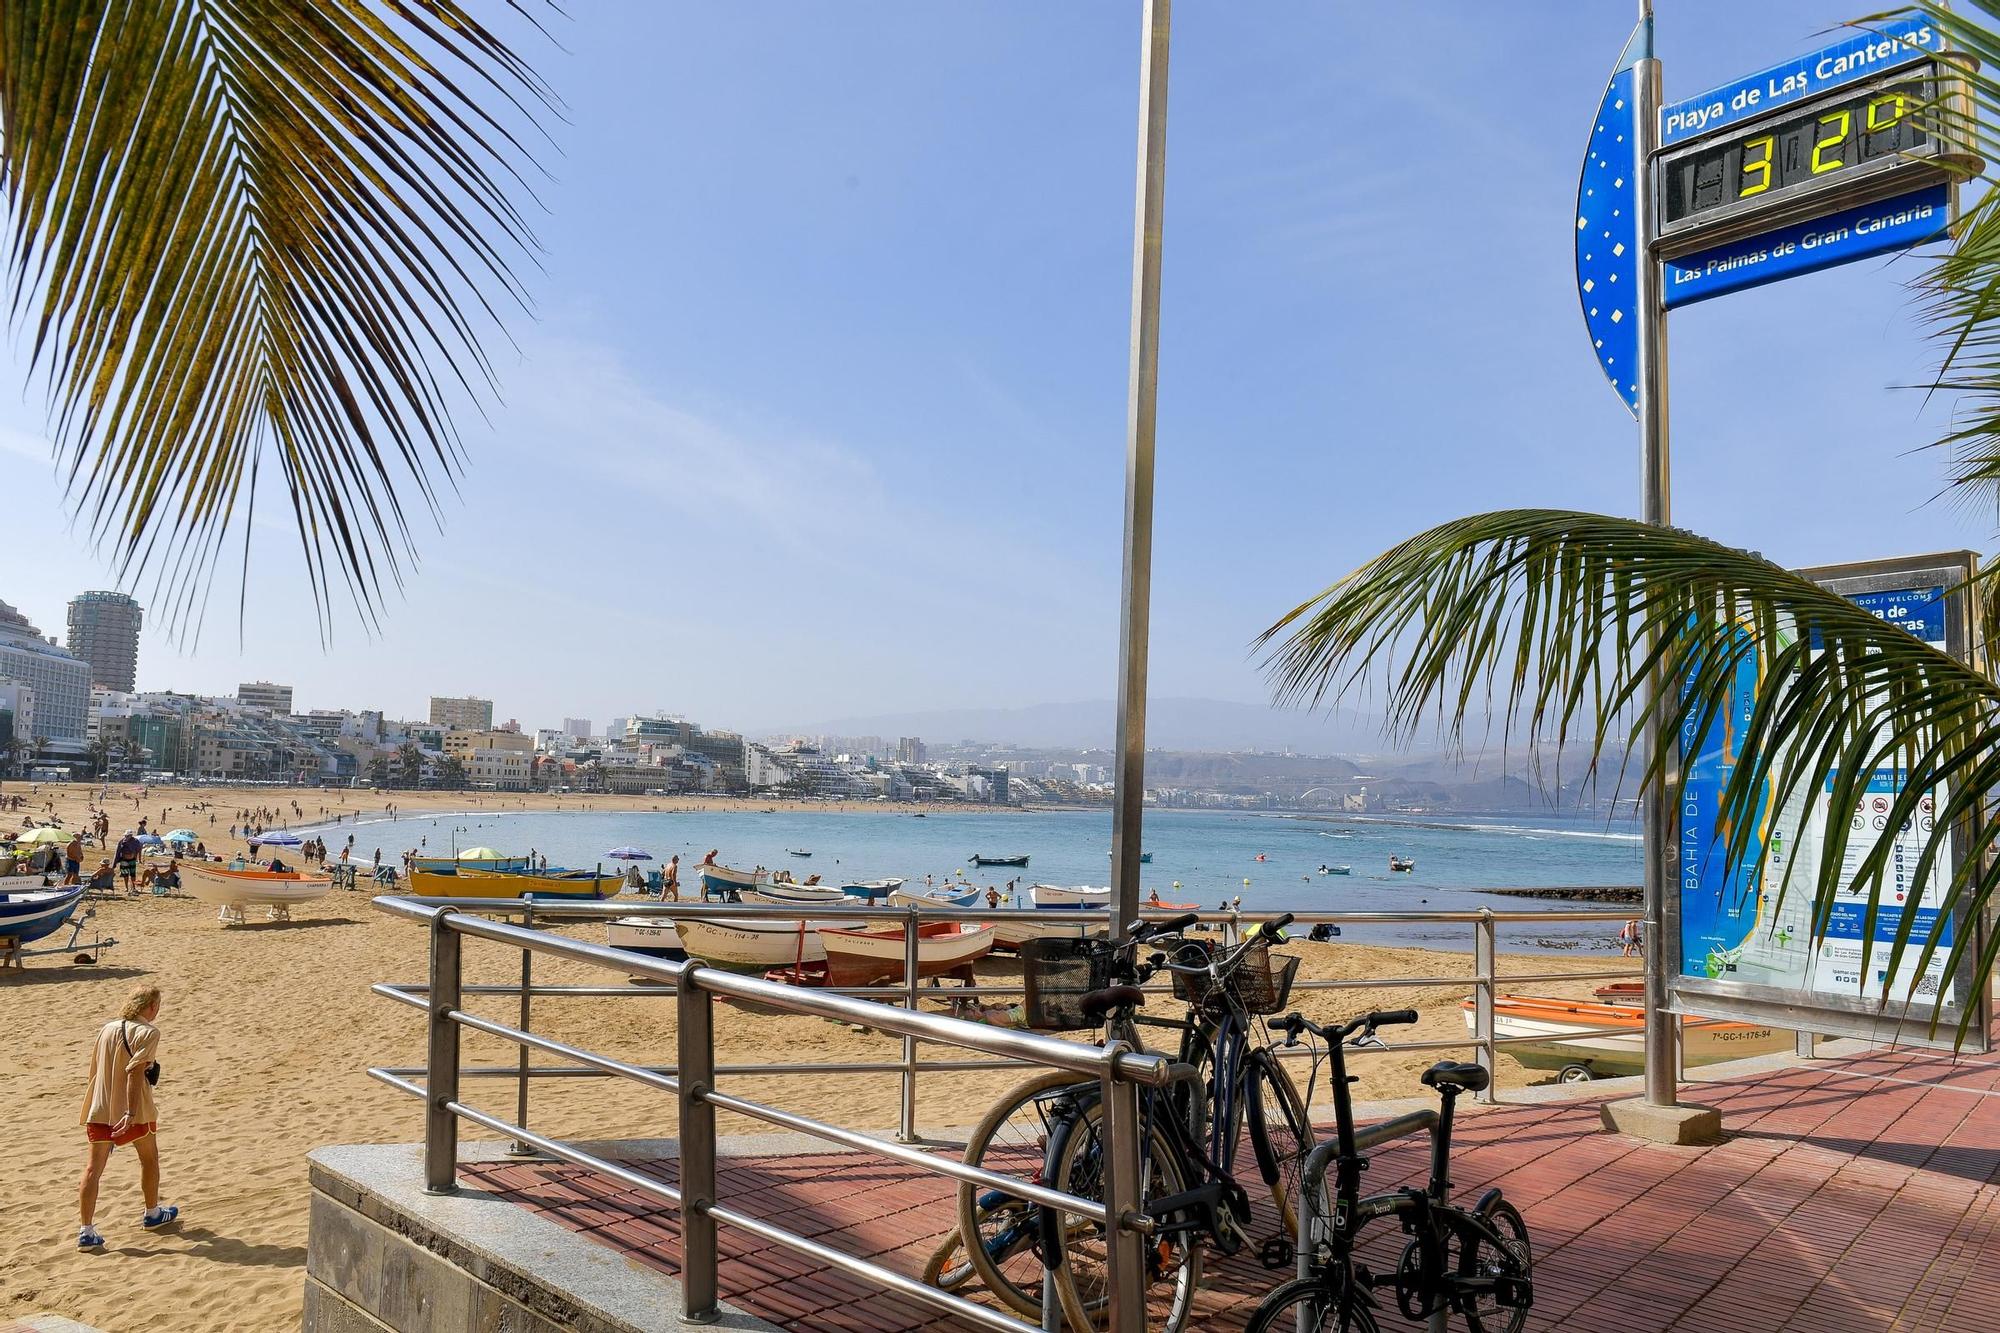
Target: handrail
{"x":694,"y":986}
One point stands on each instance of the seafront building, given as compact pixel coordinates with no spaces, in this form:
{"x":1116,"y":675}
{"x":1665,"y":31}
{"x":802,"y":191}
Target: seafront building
{"x":58,"y":685}
{"x":263,"y":694}
{"x":466,"y":714}
{"x":104,"y":631}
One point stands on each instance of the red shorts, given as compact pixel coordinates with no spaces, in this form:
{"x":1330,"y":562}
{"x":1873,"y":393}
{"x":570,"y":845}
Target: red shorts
{"x":101,"y":1133}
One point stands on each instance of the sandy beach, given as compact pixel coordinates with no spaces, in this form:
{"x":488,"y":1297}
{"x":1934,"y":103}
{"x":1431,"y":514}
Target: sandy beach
{"x":268,"y":1027}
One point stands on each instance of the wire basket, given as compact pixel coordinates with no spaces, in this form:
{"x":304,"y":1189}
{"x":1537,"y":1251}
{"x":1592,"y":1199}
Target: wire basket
{"x":1261,"y":983}
{"x":1057,"y":975}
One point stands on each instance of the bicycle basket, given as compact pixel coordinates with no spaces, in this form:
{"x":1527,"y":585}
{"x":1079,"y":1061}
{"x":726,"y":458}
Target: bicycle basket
{"x":1057,"y":975}
{"x":1261,"y":982}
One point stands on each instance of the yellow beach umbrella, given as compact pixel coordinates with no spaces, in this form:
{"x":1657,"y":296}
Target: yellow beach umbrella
{"x":481,"y":854}
{"x":42,"y":835}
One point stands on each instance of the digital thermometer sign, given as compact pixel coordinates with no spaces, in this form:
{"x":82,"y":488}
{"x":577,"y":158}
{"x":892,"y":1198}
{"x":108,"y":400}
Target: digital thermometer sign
{"x":1860,"y":143}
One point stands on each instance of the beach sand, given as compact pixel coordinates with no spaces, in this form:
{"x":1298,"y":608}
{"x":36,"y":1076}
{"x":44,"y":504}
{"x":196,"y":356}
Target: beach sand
{"x":268,"y":1028}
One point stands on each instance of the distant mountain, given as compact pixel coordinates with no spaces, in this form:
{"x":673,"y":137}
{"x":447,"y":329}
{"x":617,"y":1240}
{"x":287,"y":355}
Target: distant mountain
{"x":1171,"y":724}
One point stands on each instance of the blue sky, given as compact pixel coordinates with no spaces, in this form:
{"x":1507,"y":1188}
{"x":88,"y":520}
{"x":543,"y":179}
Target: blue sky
{"x":822,"y":412}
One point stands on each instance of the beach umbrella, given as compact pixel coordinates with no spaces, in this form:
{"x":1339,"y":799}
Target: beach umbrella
{"x":481,"y":854}
{"x":151,"y":840}
{"x":42,"y":835}
{"x":183,"y":835}
{"x":629,"y":854}
{"x":279,"y":839}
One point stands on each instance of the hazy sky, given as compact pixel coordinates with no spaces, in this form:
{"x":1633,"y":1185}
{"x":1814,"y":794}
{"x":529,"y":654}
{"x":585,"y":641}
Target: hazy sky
{"x":823,"y":413}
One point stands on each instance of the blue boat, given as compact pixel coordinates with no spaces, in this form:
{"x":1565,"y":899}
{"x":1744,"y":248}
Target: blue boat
{"x":947,"y":895}
{"x":27,"y":915}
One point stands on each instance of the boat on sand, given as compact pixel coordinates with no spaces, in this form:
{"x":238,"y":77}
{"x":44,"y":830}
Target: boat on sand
{"x":277,"y":891}
{"x":754,"y":946}
{"x":720,"y":881}
{"x":1556,"y":1024}
{"x":864,"y":957}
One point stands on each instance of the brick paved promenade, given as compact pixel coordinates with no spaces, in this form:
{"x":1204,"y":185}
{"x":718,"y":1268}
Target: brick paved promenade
{"x":1862,"y":1194}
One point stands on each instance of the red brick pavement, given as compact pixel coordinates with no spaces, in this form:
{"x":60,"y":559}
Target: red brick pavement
{"x":1862,"y":1195}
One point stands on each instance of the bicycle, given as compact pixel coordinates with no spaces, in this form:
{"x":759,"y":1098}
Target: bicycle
{"x":1187,"y":1186}
{"x":1476,"y":1262}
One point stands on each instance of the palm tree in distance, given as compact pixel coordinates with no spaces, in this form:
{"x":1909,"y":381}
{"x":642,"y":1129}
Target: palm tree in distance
{"x":262,"y":240}
{"x":1544,"y":624}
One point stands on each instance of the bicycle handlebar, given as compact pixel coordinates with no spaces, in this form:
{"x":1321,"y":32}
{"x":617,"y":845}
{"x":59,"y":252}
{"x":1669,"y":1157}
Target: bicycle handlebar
{"x":1146,"y":930}
{"x":1294,"y":1023}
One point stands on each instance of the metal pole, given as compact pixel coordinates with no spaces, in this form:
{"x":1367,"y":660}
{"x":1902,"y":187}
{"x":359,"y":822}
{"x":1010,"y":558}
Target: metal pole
{"x":696,"y":1037}
{"x":1124,"y":1255}
{"x":519,"y":1148}
{"x":906,"y":1117}
{"x":1484,"y":950}
{"x":441,"y":1064}
{"x":1136,"y":600}
{"x":1655,"y":492}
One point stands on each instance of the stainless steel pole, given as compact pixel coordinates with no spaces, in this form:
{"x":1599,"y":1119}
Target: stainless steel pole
{"x":1123,"y":1252}
{"x":1135,"y":605}
{"x":906,"y":1117}
{"x":519,"y":1148}
{"x":695,"y":1015}
{"x":441,"y":1062}
{"x":1655,"y":494}
{"x":1485,"y":952}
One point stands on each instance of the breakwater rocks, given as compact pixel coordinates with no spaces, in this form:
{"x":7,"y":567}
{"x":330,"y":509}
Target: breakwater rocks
{"x":1621,"y":894}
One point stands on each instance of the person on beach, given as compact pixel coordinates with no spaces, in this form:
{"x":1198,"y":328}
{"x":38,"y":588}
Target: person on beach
{"x":1628,"y":939}
{"x":118,"y":1109}
{"x":73,"y":859}
{"x":127,"y":857}
{"x":670,"y":883}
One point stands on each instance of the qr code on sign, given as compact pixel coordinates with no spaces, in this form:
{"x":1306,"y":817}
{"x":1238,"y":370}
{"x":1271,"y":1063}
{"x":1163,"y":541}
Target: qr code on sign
{"x":1928,"y":984}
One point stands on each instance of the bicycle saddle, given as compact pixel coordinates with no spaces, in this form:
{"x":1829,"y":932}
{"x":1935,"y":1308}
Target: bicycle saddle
{"x":1457,"y":1074}
{"x":1096,"y":1004}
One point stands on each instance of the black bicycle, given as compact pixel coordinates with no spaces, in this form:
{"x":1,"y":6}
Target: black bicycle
{"x":1474,"y":1262}
{"x":1189,"y":1133}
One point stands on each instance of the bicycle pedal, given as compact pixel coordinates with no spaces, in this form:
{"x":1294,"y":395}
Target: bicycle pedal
{"x":1277,"y":1254}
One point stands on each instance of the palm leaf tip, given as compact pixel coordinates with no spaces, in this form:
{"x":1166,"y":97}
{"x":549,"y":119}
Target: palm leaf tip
{"x":261,"y":233}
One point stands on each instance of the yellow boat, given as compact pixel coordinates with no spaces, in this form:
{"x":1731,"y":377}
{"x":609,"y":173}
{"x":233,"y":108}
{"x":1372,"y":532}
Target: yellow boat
{"x":468,"y":883}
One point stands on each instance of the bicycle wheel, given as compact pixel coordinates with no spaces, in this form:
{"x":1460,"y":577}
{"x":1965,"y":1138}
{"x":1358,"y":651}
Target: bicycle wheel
{"x":1312,"y":1305}
{"x":1478,"y":1257}
{"x":1075,"y":1245}
{"x":1280,"y":1133}
{"x":1011,"y":1138}
{"x":948,"y":1269}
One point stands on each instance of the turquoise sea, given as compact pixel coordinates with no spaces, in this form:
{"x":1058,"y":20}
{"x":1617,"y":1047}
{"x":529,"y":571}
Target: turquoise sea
{"x":1198,"y":856}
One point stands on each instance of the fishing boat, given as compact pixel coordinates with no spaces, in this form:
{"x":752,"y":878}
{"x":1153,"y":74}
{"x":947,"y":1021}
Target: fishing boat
{"x":754,"y":946}
{"x":28,"y":911}
{"x":797,"y":851}
{"x":1145,"y":858}
{"x":864,"y":957}
{"x":555,"y":882}
{"x":277,"y":891}
{"x":947,"y":895}
{"x":472,"y":858}
{"x":778,"y":893}
{"x":1402,"y":864}
{"x":1059,"y":896}
{"x":1555,"y":1023}
{"x":874,"y":890}
{"x":720,"y":881}
{"x":1019,"y":860}
{"x":653,"y":936}
{"x":1336,"y":870}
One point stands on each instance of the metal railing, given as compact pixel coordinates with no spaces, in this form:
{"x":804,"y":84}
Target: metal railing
{"x":1120,"y":1072}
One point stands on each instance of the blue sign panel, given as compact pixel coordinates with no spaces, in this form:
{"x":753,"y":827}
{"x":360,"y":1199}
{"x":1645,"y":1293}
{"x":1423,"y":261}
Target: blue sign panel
{"x":1918,"y":610}
{"x":1859,"y":57}
{"x":1608,"y":244}
{"x":1804,"y":247}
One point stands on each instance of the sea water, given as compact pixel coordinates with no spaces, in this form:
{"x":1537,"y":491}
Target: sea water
{"x":1209,"y":858}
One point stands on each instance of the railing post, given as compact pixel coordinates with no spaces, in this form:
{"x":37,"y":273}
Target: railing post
{"x":441,"y":1066}
{"x":696,"y":1014}
{"x":1485,"y":952}
{"x":1124,"y":1255}
{"x":518,"y":1148}
{"x":906,"y":1118}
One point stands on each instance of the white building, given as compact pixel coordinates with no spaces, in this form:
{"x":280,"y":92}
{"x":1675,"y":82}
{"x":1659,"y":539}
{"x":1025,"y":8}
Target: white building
{"x":59,"y":681}
{"x":263,"y":694}
{"x":576,"y":728}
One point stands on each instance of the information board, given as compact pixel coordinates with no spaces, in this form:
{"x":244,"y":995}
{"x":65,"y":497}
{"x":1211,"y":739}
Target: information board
{"x":1744,"y":936}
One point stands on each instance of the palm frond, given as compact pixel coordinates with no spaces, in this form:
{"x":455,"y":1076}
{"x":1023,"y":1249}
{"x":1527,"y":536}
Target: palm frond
{"x":1551,"y":622}
{"x":261,"y":233}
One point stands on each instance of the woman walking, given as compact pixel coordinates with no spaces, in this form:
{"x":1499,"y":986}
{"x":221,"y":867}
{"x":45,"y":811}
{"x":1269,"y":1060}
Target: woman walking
{"x":118,"y":1109}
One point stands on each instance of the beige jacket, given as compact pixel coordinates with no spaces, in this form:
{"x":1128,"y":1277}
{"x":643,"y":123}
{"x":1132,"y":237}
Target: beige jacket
{"x":110,"y":1066}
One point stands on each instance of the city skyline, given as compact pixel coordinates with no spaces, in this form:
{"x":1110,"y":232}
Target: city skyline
{"x":889,"y":444}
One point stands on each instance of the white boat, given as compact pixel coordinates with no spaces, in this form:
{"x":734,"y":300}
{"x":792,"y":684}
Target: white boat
{"x":863,"y":957}
{"x":1081,"y":895}
{"x":233,"y":890}
{"x":1555,"y":1022}
{"x":874,"y":890}
{"x":721,"y":881}
{"x":754,"y":946}
{"x":949,"y":895}
{"x":798,"y":895}
{"x":28,"y":911}
{"x":653,"y":936}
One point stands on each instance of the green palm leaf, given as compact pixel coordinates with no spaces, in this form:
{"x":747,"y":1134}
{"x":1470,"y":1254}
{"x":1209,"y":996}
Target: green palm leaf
{"x":1548,"y":622}
{"x":260,"y":233}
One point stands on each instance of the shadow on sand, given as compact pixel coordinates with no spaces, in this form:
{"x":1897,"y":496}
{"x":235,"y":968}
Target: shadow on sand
{"x":67,"y":971}
{"x":219,"y":1249}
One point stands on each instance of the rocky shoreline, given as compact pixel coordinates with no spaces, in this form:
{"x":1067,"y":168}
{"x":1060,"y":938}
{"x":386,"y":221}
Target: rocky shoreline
{"x":1622,"y":894}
